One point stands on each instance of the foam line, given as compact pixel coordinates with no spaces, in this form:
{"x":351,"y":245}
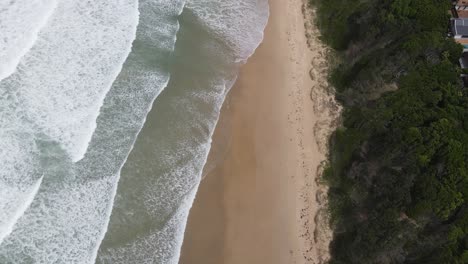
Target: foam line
{"x":67,"y":219}
{"x":20,"y":25}
{"x":56,"y":92}
{"x":6,"y":229}
{"x":115,"y":187}
{"x":61,"y":82}
{"x":159,"y":179}
{"x":70,"y":213}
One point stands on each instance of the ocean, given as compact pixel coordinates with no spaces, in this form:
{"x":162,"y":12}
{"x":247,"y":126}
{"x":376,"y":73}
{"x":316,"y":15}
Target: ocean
{"x":107,"y":109}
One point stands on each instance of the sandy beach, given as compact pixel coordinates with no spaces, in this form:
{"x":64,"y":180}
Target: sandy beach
{"x":261,"y":200}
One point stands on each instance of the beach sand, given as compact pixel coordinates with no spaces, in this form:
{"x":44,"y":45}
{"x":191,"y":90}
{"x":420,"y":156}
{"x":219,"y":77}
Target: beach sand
{"x":261,"y":200}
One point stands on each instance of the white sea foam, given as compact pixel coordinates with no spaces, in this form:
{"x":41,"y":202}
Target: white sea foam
{"x":19,"y":172}
{"x":62,"y":227}
{"x":69,"y":215}
{"x":53,"y":98}
{"x":20,"y":22}
{"x":61,"y":82}
{"x":161,"y":246}
{"x":157,"y":185}
{"x":239,"y":23}
{"x":12,"y":207}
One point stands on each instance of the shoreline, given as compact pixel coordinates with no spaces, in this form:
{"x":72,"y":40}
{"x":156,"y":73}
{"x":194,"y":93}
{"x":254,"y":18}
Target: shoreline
{"x":262,"y":200}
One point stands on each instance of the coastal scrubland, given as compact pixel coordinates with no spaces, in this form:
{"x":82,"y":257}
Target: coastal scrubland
{"x":398,"y":171}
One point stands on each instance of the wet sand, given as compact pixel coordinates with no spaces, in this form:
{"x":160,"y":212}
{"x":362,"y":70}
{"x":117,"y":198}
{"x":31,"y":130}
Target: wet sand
{"x":262,"y":201}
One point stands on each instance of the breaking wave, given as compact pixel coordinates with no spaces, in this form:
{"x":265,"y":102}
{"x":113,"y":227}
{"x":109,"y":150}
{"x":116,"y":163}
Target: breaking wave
{"x":107,"y":109}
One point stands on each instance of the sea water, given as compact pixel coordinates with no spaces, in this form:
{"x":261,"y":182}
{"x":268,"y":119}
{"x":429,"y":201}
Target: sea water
{"x":107,"y":110}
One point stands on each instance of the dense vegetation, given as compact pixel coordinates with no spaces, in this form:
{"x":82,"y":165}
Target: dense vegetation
{"x":398,"y":170}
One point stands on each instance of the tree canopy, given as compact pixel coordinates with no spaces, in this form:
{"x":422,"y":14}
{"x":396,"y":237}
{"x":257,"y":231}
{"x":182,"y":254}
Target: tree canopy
{"x":398,"y":171}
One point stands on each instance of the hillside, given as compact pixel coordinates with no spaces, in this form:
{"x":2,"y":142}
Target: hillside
{"x":398,"y":171}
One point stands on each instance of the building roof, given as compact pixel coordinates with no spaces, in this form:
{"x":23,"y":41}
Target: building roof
{"x":460,"y":26}
{"x":462,"y":13}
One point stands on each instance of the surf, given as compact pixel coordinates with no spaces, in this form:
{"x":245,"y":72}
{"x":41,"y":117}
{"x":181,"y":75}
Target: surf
{"x":160,"y":177}
{"x":7,"y":223}
{"x":49,"y":105}
{"x":111,"y":131}
{"x":76,"y":198}
{"x":20,"y":25}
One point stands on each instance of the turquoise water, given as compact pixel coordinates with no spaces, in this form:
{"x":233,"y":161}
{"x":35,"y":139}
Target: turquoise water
{"x":106,"y":122}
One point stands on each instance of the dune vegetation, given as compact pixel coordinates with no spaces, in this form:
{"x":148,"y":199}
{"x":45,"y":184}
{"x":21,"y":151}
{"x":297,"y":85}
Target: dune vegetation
{"x":398,"y":172}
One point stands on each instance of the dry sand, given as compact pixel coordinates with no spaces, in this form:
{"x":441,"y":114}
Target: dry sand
{"x":262,"y":203}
